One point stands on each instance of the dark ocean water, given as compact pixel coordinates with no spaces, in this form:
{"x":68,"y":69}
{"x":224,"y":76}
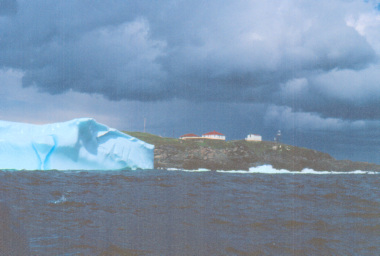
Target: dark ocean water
{"x":161,"y":212}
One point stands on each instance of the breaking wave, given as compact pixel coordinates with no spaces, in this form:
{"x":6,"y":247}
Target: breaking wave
{"x":62,"y":200}
{"x":195,"y":170}
{"x":268,"y":169}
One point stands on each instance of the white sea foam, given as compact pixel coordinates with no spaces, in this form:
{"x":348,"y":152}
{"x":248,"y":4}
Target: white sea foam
{"x":183,"y":170}
{"x":173,"y":169}
{"x":268,"y":169}
{"x":61,"y":200}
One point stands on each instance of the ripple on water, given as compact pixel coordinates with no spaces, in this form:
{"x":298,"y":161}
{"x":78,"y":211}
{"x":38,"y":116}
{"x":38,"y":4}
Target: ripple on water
{"x":364,"y":215}
{"x":235,"y":251}
{"x":183,"y":213}
{"x":116,"y":250}
{"x":294,"y":224}
{"x":258,"y":226}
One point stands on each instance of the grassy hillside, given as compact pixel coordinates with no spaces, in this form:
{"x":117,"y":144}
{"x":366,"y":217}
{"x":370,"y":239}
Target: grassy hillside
{"x":240,"y":155}
{"x":152,"y":139}
{"x":259,"y":148}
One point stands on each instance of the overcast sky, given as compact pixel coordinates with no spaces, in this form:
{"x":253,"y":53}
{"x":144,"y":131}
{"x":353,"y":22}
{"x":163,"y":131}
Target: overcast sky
{"x":309,"y":68}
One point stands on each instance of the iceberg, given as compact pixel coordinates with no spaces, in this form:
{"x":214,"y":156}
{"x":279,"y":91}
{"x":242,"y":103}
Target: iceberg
{"x":79,"y":144}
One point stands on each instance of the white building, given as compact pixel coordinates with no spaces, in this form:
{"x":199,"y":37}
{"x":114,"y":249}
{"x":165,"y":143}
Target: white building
{"x":253,"y":137}
{"x":214,"y":136}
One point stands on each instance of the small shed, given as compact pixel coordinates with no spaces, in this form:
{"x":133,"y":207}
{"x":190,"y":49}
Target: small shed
{"x":253,"y":137}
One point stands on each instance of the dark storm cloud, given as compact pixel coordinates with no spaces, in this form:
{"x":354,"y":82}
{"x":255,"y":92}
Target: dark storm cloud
{"x":229,"y":51}
{"x":8,"y":7}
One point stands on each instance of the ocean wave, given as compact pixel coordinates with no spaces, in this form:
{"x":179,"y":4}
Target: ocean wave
{"x":268,"y":169}
{"x":62,"y":200}
{"x":184,"y":170}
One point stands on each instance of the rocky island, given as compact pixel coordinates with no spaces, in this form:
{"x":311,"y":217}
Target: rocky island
{"x":241,"y":155}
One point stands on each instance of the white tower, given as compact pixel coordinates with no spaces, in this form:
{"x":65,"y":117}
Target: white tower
{"x":277,"y":139}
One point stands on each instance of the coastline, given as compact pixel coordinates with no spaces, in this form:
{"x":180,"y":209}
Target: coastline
{"x":242,"y":155}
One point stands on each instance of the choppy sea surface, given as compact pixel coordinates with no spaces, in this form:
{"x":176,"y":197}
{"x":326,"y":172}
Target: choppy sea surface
{"x":173,"y":212}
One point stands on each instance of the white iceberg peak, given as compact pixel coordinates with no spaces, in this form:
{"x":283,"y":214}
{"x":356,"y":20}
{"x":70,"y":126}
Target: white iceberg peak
{"x":74,"y":145}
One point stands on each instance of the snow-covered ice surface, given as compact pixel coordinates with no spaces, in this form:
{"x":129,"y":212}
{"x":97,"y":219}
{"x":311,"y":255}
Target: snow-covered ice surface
{"x":79,"y":144}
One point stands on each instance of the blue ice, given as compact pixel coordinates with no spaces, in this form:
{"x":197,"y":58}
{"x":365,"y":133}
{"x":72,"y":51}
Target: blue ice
{"x":79,"y":144}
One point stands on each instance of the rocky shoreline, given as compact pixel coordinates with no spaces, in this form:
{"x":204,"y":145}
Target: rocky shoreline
{"x":241,"y":155}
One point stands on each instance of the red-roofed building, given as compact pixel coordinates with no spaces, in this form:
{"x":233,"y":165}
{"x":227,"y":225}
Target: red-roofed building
{"x":189,"y":136}
{"x":214,"y":136}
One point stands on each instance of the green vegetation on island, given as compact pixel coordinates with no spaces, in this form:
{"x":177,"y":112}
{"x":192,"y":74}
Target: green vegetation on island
{"x":241,"y":155}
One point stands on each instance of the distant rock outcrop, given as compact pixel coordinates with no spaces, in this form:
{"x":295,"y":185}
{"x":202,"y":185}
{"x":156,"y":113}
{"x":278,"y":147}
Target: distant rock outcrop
{"x":241,"y":155}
